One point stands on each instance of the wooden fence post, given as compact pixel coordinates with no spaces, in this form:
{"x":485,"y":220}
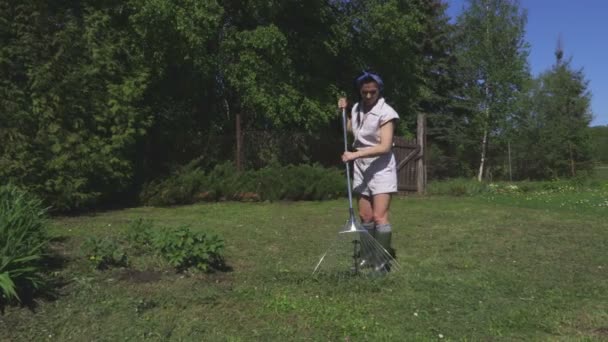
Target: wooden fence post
{"x":421,"y":163}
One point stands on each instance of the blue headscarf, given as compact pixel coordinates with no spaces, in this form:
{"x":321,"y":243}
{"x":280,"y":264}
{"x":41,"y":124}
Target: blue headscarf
{"x":367,"y":76}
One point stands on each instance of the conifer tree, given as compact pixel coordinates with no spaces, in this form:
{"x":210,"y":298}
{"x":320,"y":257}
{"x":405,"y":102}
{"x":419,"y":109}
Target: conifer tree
{"x":554,"y":135}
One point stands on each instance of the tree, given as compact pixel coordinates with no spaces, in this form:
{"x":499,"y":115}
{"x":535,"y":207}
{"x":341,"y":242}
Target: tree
{"x":554,"y":132}
{"x":178,"y":43}
{"x":98,"y":98}
{"x":71,"y":114}
{"x":492,"y":57}
{"x":439,"y":92}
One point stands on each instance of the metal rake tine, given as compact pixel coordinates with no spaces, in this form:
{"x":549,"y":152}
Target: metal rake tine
{"x":377,"y":254}
{"x":384,"y":256}
{"x":331,"y":245}
{"x":319,"y":263}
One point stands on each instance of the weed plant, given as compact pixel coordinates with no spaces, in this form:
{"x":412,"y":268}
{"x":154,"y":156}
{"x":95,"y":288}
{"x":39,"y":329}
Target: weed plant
{"x":105,"y":252}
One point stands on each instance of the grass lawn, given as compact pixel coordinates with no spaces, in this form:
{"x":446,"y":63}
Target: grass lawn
{"x":501,"y":267}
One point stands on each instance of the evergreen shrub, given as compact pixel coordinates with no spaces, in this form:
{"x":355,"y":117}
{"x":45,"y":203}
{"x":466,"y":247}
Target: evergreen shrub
{"x":274,"y":182}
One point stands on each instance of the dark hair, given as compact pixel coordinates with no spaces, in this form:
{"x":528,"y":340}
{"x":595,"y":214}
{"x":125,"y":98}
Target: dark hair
{"x":366,"y":77}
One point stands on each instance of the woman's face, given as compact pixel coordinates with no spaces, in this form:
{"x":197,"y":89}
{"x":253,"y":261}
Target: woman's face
{"x":369,"y":93}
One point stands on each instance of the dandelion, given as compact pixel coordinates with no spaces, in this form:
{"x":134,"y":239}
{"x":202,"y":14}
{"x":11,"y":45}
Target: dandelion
{"x":440,"y":335}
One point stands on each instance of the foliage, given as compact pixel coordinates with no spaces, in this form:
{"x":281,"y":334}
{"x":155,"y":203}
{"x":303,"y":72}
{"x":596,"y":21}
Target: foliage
{"x":179,"y":188}
{"x":185,"y":249}
{"x":386,"y":38}
{"x":293,"y":182}
{"x":104,"y":252}
{"x":98,"y":99}
{"x":139,"y":235}
{"x":492,"y":63}
{"x":440,"y":95}
{"x":178,"y":44}
{"x":73,"y":79}
{"x":556,"y":124}
{"x":180,"y":247}
{"x":23,"y":242}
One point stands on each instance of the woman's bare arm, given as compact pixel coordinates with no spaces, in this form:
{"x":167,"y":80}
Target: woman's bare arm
{"x":385,"y":145}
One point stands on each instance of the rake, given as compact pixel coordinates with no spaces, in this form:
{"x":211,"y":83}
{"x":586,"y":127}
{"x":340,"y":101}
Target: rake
{"x":368,"y":256}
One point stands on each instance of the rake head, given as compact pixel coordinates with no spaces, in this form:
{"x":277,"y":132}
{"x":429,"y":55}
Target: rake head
{"x":356,"y":252}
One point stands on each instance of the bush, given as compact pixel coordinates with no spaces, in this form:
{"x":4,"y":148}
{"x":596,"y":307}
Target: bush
{"x":274,"y":182}
{"x":23,"y":241}
{"x":179,"y":188}
{"x":104,"y":253}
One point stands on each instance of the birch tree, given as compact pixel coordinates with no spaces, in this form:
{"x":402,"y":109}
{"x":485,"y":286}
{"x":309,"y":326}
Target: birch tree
{"x":492,"y":56}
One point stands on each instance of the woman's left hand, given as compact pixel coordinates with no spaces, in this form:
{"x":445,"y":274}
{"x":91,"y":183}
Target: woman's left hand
{"x":348,"y":156}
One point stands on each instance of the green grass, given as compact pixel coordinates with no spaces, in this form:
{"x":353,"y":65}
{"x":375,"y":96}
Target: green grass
{"x":487,"y":267}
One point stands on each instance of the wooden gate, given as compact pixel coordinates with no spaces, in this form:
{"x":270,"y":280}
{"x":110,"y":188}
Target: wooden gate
{"x":411,"y":165}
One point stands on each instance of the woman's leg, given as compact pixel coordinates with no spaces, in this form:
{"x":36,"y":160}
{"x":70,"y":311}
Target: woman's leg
{"x":366,"y":214}
{"x":381,"y":206}
{"x":366,"y":211}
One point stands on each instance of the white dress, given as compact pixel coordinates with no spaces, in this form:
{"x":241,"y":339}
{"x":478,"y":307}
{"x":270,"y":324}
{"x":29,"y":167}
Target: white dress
{"x":373,"y":175}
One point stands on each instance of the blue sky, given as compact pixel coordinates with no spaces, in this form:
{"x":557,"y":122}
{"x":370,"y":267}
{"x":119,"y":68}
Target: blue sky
{"x":583,"y":25}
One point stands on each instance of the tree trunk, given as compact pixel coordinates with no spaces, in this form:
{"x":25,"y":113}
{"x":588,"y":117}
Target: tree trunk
{"x":510,"y":167}
{"x":484,"y":144}
{"x":484,"y":141}
{"x":572,"y":167}
{"x":239,"y":143}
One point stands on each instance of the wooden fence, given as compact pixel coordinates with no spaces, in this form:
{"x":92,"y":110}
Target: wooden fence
{"x":258,"y":148}
{"x":411,"y":161}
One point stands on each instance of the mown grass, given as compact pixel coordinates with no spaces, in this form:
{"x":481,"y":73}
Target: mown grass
{"x":489,"y":267}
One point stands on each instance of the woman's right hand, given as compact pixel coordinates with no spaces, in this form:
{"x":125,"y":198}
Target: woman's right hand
{"x":342,"y":103}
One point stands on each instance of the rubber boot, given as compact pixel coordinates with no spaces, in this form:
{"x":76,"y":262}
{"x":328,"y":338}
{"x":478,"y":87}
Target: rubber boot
{"x":366,"y":252}
{"x":383,"y":236}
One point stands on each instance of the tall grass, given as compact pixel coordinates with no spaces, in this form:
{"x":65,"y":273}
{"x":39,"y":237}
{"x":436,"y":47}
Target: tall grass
{"x":23,"y":240}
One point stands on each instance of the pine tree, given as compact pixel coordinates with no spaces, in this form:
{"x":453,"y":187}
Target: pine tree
{"x":554,"y":133}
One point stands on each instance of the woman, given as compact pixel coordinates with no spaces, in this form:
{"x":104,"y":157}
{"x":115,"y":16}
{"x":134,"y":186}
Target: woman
{"x":372,"y":123}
